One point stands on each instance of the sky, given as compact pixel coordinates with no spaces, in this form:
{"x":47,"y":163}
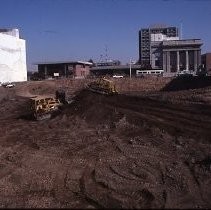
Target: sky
{"x":58,"y":30}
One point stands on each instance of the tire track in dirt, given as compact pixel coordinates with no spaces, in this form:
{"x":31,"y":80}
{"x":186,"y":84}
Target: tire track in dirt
{"x":167,"y":116}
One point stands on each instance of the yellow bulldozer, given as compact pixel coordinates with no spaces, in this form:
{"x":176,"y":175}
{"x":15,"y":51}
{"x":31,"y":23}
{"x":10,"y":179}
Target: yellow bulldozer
{"x":103,"y":86}
{"x":43,"y":106}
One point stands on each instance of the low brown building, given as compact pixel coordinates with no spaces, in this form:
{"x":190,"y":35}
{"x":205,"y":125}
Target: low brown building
{"x":74,"y":69}
{"x":206,"y":62}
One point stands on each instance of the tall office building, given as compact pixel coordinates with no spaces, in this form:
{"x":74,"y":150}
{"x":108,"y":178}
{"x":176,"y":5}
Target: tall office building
{"x":150,"y":40}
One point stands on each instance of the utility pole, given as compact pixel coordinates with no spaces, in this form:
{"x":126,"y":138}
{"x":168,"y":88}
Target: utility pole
{"x":130,"y":67}
{"x":106,"y":53}
{"x":181,"y":30}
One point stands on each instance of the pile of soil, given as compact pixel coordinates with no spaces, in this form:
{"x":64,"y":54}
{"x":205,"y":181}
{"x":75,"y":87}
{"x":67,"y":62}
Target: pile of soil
{"x":106,"y":152}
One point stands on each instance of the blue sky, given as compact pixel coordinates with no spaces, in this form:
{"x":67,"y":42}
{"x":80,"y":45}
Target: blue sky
{"x":83,"y":29}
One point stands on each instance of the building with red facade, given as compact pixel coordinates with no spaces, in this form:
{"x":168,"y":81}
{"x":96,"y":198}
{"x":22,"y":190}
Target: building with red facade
{"x":74,"y":69}
{"x":206,"y":62}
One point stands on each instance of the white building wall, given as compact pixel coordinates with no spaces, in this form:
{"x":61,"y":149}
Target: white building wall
{"x":171,"y":38}
{"x":12,"y":59}
{"x":156,"y":37}
{"x":161,"y":37}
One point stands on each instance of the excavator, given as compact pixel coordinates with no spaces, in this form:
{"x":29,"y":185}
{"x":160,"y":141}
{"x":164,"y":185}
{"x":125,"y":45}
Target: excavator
{"x":103,"y":86}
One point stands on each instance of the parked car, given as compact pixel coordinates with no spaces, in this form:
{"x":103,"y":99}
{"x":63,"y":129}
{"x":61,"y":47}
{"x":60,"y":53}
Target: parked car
{"x":117,"y":76}
{"x":8,"y":85}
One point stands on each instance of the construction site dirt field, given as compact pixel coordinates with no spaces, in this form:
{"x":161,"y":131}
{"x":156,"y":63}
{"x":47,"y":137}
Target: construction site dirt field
{"x":137,"y":149}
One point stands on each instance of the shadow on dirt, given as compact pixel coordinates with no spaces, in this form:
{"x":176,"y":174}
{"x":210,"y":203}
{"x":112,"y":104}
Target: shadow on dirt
{"x":27,"y":116}
{"x":187,"y":82}
{"x":30,"y":116}
{"x":206,"y":162}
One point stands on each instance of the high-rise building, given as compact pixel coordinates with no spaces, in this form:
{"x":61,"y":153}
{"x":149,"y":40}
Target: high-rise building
{"x":150,"y":40}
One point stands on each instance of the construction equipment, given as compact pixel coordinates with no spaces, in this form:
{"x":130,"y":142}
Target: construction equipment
{"x":103,"y":86}
{"x":61,"y":96}
{"x":64,"y":97}
{"x":43,"y":106}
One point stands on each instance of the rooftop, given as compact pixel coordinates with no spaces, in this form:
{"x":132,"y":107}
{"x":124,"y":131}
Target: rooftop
{"x":116,"y":67}
{"x":182,"y":42}
{"x":62,"y":62}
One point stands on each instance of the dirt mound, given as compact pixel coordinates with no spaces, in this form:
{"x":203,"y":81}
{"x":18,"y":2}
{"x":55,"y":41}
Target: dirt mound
{"x":187,"y":82}
{"x":93,"y":107}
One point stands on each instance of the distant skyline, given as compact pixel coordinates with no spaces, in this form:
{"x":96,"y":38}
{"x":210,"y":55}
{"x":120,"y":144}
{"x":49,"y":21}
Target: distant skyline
{"x":57,"y":30}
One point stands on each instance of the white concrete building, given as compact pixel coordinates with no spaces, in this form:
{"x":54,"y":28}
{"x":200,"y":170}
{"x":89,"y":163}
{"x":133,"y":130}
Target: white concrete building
{"x":12,"y":56}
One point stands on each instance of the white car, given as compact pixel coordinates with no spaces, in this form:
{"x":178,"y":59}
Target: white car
{"x":117,"y":76}
{"x":8,"y":85}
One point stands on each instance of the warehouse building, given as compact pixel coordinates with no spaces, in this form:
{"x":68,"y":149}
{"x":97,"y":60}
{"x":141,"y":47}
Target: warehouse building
{"x":74,"y":69}
{"x":12,"y":56}
{"x":124,"y":70}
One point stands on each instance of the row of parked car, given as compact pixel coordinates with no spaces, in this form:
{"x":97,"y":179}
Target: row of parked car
{"x":192,"y":73}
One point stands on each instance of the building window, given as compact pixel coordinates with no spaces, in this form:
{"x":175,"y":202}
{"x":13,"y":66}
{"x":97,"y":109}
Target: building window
{"x":70,"y":68}
{"x":157,"y":63}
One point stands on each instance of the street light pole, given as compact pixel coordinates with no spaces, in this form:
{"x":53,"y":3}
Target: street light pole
{"x":130,"y":68}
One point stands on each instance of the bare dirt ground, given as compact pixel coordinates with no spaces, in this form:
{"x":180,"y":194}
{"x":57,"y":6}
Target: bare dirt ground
{"x":138,"y":149}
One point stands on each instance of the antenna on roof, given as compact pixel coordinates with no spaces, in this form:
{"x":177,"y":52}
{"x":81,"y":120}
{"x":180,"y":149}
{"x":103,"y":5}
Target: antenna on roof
{"x":106,"y":53}
{"x":101,"y":58}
